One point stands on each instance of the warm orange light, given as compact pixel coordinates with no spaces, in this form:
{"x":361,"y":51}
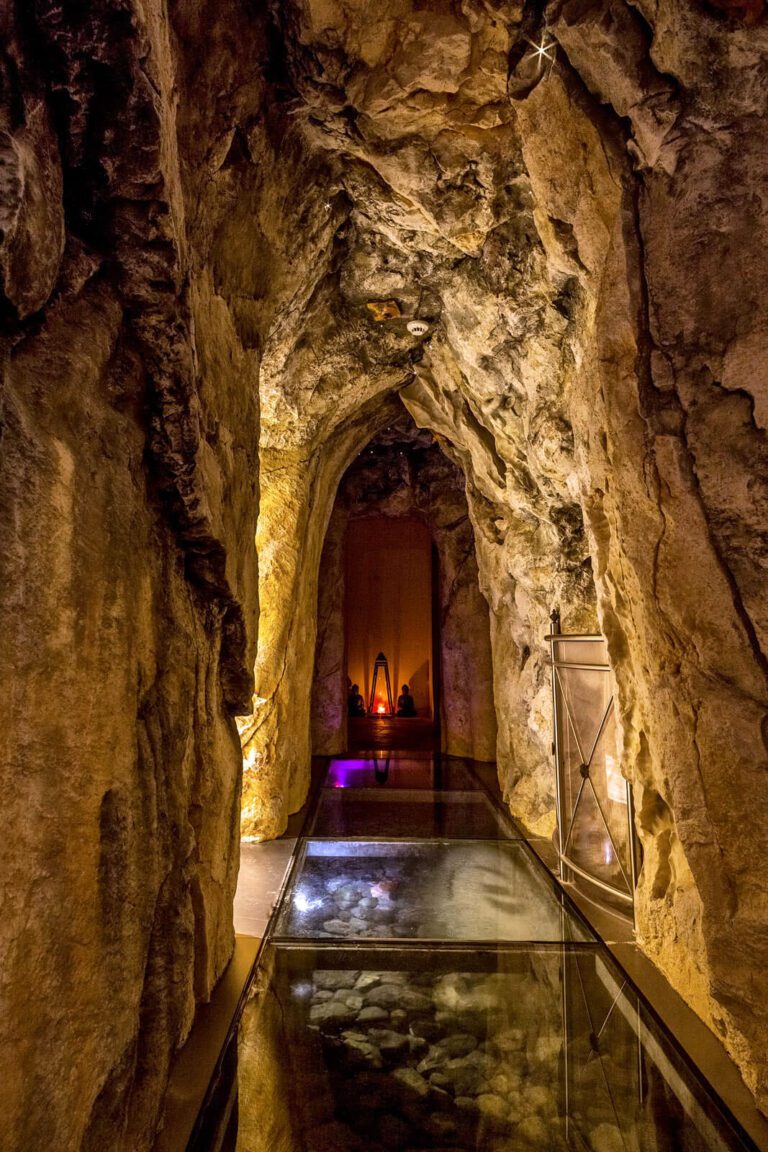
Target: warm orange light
{"x":381,"y":709}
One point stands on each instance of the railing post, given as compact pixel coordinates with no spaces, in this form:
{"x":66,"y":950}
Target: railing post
{"x":554,"y":617}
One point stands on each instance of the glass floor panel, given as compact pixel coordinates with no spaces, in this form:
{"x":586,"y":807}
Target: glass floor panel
{"x":536,"y":1050}
{"x":408,"y":813}
{"x":435,"y":890}
{"x":395,"y":771}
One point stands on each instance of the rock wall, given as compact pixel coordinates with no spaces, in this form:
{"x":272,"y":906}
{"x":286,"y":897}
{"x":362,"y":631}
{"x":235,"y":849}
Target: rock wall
{"x":128,"y":503}
{"x":674,"y":594}
{"x":329,"y":680}
{"x":198,"y":203}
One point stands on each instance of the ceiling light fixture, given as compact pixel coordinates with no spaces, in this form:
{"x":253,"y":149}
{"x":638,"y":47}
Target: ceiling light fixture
{"x":417,"y":327}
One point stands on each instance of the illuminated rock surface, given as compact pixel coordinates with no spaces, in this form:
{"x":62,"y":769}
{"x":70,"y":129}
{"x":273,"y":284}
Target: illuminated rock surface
{"x":195,"y":210}
{"x":587,"y":255}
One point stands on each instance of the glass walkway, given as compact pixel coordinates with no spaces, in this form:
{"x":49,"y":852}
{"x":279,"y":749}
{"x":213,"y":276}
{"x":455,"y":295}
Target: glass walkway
{"x":424,"y":984}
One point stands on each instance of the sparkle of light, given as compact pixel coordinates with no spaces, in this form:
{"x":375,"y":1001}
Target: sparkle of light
{"x":545,"y":50}
{"x":303,"y":902}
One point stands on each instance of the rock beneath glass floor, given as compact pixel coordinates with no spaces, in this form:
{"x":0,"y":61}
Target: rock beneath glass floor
{"x":459,"y":1044}
{"x":533,"y":1130}
{"x":429,"y":1029}
{"x":358,"y":1049}
{"x":372,"y":1014}
{"x":389,"y":1043}
{"x":385,"y":996}
{"x":368,"y":980}
{"x":413,"y":1086}
{"x":493,"y":1108}
{"x":337,"y":928}
{"x":333,"y":1013}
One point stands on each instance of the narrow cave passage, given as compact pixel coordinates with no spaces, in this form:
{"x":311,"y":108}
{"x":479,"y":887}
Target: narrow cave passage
{"x":434,"y":984}
{"x":399,"y":577}
{"x":272,"y":272}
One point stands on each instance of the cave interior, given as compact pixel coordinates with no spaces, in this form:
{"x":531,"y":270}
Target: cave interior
{"x":329,"y":328}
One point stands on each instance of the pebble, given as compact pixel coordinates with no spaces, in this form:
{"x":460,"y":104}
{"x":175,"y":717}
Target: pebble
{"x":388,"y":1042}
{"x":372,"y":1014}
{"x":332,"y":1012}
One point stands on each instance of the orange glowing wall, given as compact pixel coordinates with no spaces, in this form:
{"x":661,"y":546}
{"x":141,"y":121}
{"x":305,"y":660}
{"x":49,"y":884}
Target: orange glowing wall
{"x":388,"y":606}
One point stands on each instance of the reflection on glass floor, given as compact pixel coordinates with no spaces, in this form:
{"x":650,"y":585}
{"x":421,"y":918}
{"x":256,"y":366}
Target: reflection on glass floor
{"x":397,"y":770}
{"x":526,"y":1051}
{"x":408,"y":813}
{"x":510,"y":1031}
{"x":436,"y":890}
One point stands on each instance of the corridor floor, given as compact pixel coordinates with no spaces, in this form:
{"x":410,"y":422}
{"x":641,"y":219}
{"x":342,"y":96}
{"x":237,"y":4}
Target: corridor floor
{"x":424,"y":984}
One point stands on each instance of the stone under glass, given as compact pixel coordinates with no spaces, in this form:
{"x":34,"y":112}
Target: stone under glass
{"x":435,"y":890}
{"x":535,"y":1050}
{"x":408,"y":812}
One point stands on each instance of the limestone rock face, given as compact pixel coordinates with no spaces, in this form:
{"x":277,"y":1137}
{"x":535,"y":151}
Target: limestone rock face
{"x":128,"y":504}
{"x":198,"y":204}
{"x":329,"y":682}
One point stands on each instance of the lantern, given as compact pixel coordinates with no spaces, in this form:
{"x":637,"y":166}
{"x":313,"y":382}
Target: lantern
{"x":380,"y":665}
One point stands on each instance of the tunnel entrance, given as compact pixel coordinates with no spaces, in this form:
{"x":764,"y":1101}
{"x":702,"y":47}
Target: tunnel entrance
{"x":390,"y":612}
{"x":399,"y":576}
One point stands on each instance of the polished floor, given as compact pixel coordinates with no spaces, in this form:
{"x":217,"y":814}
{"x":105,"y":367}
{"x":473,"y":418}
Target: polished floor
{"x":426,"y":985}
{"x":263,"y":868}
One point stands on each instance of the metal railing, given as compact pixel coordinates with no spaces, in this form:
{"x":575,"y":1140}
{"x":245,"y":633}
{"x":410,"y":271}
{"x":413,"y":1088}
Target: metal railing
{"x":597,"y":842}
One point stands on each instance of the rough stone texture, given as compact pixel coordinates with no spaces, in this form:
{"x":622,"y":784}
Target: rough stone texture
{"x":329,"y":681}
{"x":128,"y":506}
{"x":295,"y":509}
{"x":584,"y":239}
{"x":198,"y":202}
{"x":403,"y":473}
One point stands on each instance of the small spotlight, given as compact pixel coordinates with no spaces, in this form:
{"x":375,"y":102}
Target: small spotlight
{"x":417,"y":327}
{"x":303,"y":902}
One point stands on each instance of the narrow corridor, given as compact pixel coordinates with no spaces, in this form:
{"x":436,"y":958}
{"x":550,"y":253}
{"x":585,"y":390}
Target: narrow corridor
{"x":425,"y":984}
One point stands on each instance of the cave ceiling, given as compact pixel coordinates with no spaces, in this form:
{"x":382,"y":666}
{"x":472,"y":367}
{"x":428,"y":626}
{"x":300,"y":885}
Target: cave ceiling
{"x":397,"y":157}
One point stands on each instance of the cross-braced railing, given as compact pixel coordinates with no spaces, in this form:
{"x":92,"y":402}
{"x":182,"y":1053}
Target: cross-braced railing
{"x":597,"y":842}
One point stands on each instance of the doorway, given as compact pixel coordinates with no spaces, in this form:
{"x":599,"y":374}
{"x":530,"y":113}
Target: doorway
{"x":399,"y":576}
{"x":389,"y":614}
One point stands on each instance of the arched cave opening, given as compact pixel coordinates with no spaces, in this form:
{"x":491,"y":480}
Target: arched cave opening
{"x":399,"y":573}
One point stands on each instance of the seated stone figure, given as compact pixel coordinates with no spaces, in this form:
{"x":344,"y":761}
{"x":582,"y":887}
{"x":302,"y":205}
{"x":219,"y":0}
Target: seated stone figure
{"x":405,"y":704}
{"x":355,"y":702}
